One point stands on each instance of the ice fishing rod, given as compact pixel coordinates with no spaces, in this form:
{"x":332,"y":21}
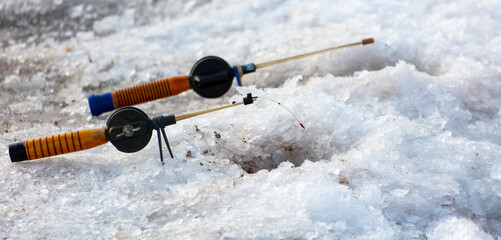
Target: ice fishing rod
{"x":129,"y":129}
{"x":210,"y":77}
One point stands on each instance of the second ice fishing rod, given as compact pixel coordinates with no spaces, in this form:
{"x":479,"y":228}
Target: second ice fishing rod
{"x":210,"y":77}
{"x":129,"y":129}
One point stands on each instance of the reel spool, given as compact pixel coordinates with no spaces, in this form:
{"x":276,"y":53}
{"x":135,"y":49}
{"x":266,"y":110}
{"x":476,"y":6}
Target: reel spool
{"x":211,"y":77}
{"x":129,"y":129}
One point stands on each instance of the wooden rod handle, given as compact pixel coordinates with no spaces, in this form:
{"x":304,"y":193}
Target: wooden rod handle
{"x":57,"y":144}
{"x":150,"y":91}
{"x":137,"y":94}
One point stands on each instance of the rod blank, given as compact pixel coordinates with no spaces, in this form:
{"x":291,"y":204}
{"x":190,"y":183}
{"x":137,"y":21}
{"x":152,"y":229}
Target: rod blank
{"x":284,"y":60}
{"x":193,"y":114}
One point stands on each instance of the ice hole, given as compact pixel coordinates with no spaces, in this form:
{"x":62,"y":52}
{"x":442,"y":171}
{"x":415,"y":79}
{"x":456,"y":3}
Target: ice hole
{"x":285,"y":152}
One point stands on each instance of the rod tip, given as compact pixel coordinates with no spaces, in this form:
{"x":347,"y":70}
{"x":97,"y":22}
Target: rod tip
{"x":367,"y":41}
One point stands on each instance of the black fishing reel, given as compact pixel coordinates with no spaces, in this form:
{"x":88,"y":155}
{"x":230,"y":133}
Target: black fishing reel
{"x":129,"y":129}
{"x":211,"y":77}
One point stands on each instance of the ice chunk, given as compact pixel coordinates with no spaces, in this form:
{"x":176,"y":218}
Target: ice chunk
{"x":457,"y":228}
{"x":496,"y":171}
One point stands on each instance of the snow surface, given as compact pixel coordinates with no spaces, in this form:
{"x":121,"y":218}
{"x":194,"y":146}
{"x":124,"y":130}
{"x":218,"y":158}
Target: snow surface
{"x":402,"y":137}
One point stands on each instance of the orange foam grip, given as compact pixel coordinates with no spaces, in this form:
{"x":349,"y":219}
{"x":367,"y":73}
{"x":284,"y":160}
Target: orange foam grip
{"x":64,"y":143}
{"x":150,"y":91}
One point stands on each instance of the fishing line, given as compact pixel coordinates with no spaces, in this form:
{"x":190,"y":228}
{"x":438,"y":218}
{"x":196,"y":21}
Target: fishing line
{"x":269,"y":99}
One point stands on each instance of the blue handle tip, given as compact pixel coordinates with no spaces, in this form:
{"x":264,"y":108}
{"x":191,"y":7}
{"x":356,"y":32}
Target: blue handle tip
{"x":100,"y":103}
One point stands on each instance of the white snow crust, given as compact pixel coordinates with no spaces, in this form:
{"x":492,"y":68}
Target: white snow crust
{"x":402,"y":137}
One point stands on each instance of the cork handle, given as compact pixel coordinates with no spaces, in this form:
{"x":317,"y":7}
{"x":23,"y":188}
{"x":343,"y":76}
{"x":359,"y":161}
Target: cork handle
{"x":56,"y":144}
{"x":150,"y":91}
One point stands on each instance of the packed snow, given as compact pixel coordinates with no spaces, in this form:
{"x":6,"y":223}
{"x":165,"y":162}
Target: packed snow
{"x":402,"y":137}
